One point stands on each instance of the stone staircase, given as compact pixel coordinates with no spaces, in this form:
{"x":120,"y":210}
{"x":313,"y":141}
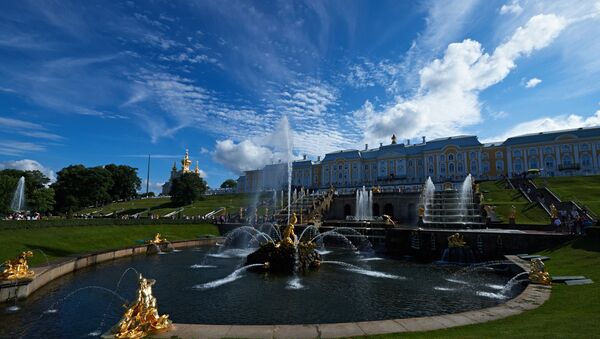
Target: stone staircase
{"x":446,"y":210}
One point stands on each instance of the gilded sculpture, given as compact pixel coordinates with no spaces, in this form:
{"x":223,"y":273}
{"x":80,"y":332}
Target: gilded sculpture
{"x":158,"y":239}
{"x":538,"y":273}
{"x":141,"y":317}
{"x":388,"y":220}
{"x":456,"y":240}
{"x":17,"y":268}
{"x":553,"y":212}
{"x":288,"y":236}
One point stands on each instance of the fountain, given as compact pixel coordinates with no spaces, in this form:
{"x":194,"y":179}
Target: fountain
{"x":158,"y":245}
{"x":458,"y":252}
{"x":364,"y":204}
{"x":538,"y":273}
{"x":141,"y":317}
{"x":287,"y":255}
{"x":18,"y":201}
{"x":18,"y":268}
{"x":449,"y":207}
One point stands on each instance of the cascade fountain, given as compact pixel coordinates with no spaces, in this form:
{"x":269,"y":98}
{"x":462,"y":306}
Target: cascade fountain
{"x":364,"y":204}
{"x":450,"y":207}
{"x":18,"y":200}
{"x":466,"y":196}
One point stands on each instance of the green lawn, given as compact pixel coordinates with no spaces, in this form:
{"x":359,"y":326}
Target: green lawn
{"x":571,"y":311}
{"x":496,"y":194}
{"x":585,"y":190}
{"x":64,"y":241}
{"x":162,"y":206}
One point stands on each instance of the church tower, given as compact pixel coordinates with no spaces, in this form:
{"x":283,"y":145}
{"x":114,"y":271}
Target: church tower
{"x":186,"y":162}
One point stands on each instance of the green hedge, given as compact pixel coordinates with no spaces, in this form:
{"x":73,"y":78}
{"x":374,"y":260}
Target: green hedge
{"x":20,"y":224}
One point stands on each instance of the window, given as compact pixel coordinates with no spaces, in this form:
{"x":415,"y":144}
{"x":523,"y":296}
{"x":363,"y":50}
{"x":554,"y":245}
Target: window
{"x":450,"y":157}
{"x":533,"y":162}
{"x":517,"y":153}
{"x":499,"y":155}
{"x":459,"y":156}
{"x":548,"y":150}
{"x":585,"y":147}
{"x":549,"y":162}
{"x":340,"y":167}
{"x":473,"y":167}
{"x":586,"y":161}
{"x":431,"y":159}
{"x":410,"y":163}
{"x":485,"y":166}
{"x":499,"y":165}
{"x":566,"y":148}
{"x":430,"y":170}
{"x":459,"y":167}
{"x":451,"y":168}
{"x":518,"y":166}
{"x":566,"y":160}
{"x":484,"y":156}
{"x":442,"y":157}
{"x":532,"y":151}
{"x":472,"y":155}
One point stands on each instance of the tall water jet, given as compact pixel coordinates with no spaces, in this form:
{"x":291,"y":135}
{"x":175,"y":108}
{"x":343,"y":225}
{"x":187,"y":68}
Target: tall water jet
{"x":364,"y":204}
{"x":466,"y":196}
{"x":18,"y":200}
{"x":427,"y":196}
{"x":287,"y":135}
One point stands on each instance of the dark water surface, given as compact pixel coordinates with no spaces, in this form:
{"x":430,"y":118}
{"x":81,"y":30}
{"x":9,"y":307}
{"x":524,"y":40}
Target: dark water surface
{"x":199,"y":286}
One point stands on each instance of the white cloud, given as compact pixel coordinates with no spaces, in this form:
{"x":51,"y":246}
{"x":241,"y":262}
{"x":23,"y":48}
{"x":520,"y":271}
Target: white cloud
{"x":12,"y":147}
{"x":546,"y":124}
{"x":513,"y":8}
{"x":28,"y":165}
{"x":448,"y":95}
{"x":27,"y":128}
{"x":531,"y":83}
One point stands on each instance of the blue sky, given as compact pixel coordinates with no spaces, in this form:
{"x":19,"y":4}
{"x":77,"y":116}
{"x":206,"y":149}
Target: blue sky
{"x":99,"y":82}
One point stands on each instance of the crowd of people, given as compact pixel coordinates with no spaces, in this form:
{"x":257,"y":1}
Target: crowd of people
{"x":23,"y":216}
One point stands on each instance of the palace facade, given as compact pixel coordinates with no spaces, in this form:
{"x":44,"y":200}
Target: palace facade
{"x":185,"y":168}
{"x":559,"y":153}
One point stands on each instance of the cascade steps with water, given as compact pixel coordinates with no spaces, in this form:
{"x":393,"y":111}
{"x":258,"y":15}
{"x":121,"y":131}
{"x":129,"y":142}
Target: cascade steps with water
{"x":307,"y":207}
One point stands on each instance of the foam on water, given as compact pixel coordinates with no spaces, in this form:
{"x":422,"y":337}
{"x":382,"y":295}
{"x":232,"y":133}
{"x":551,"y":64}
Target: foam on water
{"x":13,"y":308}
{"x":232,"y":253}
{"x":363,"y":271}
{"x":491,"y":295}
{"x":371,"y":259}
{"x":438,"y":288}
{"x":235,"y":275}
{"x":495,"y":287}
{"x":294,"y":284}
{"x":323,"y":252}
{"x":50,"y":311}
{"x":456,"y":281}
{"x":202,"y":266}
{"x":94,"y":334}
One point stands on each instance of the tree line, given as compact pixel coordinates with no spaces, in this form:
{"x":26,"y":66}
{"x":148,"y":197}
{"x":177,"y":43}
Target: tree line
{"x":77,"y":187}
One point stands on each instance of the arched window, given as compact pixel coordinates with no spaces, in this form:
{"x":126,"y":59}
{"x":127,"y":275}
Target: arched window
{"x":450,"y":157}
{"x":533,"y":163}
{"x":499,"y":155}
{"x":451,"y":168}
{"x":499,"y":165}
{"x":459,"y":167}
{"x":566,"y":160}
{"x":548,"y":150}
{"x":518,"y":166}
{"x":586,"y":160}
{"x":442,"y":157}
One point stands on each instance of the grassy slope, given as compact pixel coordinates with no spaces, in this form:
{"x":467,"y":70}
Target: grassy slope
{"x":162,"y":206}
{"x":495,"y":194}
{"x":65,"y":241}
{"x":571,"y":311}
{"x":584,"y":190}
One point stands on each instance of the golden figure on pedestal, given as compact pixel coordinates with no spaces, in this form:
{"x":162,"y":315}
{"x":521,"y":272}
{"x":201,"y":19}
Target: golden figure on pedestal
{"x":158,"y":239}
{"x":288,"y":235}
{"x":17,"y":268}
{"x":553,"y":212}
{"x":141,"y":317}
{"x":421,"y":211}
{"x":538,"y":273}
{"x":456,"y":240}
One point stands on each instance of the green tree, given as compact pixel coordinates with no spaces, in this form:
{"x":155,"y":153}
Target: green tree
{"x":8,"y":184}
{"x":34,"y":182}
{"x":42,"y":200}
{"x":126,"y":183}
{"x":229,"y":183}
{"x":77,"y":186}
{"x":187,"y":188}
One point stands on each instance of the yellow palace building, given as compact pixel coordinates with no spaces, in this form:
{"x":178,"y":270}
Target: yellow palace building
{"x":557,"y":153}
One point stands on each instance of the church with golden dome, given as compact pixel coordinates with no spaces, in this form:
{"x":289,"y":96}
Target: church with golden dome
{"x":185,"y":168}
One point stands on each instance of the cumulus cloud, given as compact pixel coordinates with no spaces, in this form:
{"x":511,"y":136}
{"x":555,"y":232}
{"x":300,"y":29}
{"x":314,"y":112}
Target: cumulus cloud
{"x":257,"y":152}
{"x":28,"y":165}
{"x":511,"y":8}
{"x":448,"y":95}
{"x":546,"y":124}
{"x":531,"y":83}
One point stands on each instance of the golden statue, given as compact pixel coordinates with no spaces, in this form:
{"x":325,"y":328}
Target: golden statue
{"x":388,"y":220}
{"x":141,"y":317}
{"x":538,"y":273}
{"x":157,"y":239}
{"x":513,"y":212}
{"x":456,"y":240}
{"x":288,"y":236}
{"x":17,"y":268}
{"x":421,"y":211}
{"x":376,"y":189}
{"x":553,"y":211}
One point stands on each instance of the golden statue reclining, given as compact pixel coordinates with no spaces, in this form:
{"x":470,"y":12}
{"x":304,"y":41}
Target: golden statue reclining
{"x":17,"y":268}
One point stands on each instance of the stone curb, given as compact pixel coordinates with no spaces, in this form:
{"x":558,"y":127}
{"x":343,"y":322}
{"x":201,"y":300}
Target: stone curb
{"x":45,"y":274}
{"x":532,"y":297}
